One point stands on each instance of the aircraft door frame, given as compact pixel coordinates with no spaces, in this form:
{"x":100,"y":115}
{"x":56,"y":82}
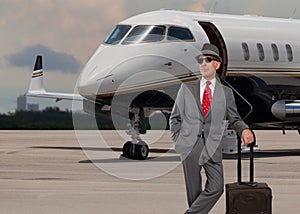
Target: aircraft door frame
{"x":216,"y":38}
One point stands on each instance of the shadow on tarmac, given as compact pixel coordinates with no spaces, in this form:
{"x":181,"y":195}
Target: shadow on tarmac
{"x":126,"y":160}
{"x":99,"y":149}
{"x":257,"y":154}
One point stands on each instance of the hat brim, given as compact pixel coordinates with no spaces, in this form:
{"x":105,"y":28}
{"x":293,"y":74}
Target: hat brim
{"x":209,"y":53}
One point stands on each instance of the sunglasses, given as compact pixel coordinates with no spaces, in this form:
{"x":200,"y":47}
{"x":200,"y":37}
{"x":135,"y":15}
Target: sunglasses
{"x":207,"y":60}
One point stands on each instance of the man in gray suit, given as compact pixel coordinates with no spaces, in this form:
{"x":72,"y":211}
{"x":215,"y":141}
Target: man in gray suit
{"x":198,"y":121}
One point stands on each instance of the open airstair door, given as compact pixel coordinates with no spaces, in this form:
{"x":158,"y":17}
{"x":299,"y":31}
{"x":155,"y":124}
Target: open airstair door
{"x":216,"y":38}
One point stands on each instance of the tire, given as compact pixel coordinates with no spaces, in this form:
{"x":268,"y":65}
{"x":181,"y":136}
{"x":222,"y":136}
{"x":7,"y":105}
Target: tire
{"x":141,"y":151}
{"x":135,"y":151}
{"x":128,"y":150}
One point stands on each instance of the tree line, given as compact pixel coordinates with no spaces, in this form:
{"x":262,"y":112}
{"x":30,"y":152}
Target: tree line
{"x":52,"y":118}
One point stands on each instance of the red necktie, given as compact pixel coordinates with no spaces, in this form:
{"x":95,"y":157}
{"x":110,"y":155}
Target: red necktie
{"x":206,"y":98}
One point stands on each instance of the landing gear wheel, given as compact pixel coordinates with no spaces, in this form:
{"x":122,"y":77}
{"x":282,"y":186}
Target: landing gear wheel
{"x":128,"y":150}
{"x":138,"y":151}
{"x":142,"y":151}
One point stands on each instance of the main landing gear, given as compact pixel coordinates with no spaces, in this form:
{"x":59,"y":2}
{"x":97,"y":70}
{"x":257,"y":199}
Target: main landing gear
{"x":136,"y":149}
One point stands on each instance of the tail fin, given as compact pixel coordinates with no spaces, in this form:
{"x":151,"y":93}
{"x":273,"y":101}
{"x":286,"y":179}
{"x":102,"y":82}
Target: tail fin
{"x":37,"y":79}
{"x":36,"y":87}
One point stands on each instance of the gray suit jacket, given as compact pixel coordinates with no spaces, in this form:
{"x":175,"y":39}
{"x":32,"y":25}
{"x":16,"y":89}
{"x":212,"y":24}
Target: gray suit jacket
{"x":187,"y":122}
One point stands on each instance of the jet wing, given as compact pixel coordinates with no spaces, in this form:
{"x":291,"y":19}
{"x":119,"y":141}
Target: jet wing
{"x":36,"y":88}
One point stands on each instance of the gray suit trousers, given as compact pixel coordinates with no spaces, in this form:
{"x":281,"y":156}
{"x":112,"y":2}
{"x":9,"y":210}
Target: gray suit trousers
{"x":202,"y":201}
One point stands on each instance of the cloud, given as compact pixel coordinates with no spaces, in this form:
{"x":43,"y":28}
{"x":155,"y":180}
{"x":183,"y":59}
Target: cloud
{"x":76,"y":27}
{"x":53,"y":60}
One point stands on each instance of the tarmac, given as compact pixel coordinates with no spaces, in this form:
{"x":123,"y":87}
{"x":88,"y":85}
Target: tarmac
{"x":60,"y":172}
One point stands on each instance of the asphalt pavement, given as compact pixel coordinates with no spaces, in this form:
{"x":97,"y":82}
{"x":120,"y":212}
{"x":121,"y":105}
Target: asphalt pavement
{"x":82,"y":172}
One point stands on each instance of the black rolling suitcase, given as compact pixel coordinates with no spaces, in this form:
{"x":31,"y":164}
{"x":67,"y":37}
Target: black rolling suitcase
{"x":248,"y":197}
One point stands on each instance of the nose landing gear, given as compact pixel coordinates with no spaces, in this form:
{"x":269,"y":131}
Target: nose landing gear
{"x":136,"y":149}
{"x":133,"y":151}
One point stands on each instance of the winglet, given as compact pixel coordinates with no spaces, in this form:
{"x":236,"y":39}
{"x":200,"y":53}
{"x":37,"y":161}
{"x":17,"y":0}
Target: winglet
{"x":36,"y":87}
{"x":37,"y":82}
{"x":38,"y":63}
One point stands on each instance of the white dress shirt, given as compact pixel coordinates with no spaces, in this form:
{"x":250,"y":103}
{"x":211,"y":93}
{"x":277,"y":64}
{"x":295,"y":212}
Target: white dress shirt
{"x":202,"y":87}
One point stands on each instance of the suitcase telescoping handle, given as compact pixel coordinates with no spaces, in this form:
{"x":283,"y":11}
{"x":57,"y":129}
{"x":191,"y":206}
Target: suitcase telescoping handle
{"x":239,"y":164}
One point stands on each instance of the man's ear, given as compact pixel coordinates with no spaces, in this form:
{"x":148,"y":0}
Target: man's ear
{"x":217,"y":65}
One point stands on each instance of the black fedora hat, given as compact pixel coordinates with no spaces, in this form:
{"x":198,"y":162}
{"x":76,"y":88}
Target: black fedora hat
{"x":210,"y":50}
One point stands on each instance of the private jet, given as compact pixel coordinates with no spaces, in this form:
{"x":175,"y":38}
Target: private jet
{"x":141,"y":64}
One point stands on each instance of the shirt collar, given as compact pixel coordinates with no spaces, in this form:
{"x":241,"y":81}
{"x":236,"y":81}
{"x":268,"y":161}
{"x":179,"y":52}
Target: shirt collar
{"x":203,"y":82}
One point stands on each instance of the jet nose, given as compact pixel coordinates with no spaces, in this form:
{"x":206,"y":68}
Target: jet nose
{"x":88,"y":89}
{"x":97,"y":86}
{"x":96,"y":77}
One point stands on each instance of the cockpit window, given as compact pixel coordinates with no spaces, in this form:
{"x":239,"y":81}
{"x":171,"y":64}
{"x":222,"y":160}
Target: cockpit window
{"x":145,"y":33}
{"x":117,"y":34}
{"x":179,"y":33}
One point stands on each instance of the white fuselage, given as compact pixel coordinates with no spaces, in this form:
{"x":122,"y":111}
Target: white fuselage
{"x":249,"y":43}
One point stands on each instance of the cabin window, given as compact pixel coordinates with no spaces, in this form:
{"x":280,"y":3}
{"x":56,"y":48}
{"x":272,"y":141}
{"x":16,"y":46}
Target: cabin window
{"x":246,"y":51}
{"x":261,"y":53}
{"x":275,"y":52}
{"x":117,"y":34}
{"x":145,"y":33}
{"x":289,"y":52}
{"x":179,"y":33}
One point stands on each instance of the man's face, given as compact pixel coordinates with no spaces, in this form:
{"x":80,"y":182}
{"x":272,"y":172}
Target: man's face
{"x":208,"y":67}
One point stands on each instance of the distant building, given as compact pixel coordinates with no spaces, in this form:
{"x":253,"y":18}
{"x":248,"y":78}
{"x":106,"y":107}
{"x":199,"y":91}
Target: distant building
{"x":21,"y":103}
{"x":23,"y":106}
{"x":33,"y":107}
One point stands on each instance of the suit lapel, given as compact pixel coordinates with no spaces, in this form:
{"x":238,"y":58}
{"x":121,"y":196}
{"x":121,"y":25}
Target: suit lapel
{"x":216,"y":96}
{"x":195,"y":89}
{"x":196,"y":92}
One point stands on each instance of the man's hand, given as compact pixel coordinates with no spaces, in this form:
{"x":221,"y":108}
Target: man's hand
{"x":247,"y":137}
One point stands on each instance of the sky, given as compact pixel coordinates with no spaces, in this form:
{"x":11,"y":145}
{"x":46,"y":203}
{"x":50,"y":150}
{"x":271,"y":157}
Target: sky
{"x":67,"y":32}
